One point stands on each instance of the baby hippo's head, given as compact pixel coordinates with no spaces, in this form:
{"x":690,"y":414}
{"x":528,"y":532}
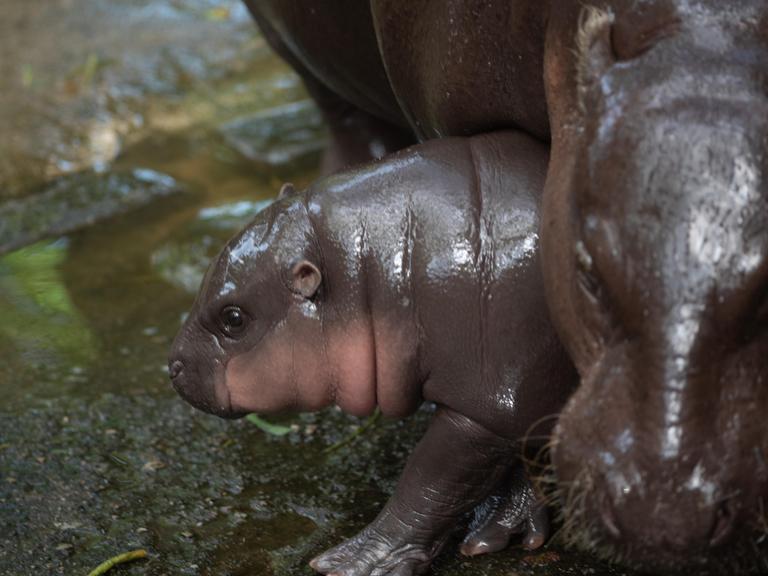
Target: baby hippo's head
{"x":250,"y":341}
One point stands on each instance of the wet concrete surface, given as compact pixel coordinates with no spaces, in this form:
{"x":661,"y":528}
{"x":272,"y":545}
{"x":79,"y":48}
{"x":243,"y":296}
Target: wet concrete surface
{"x":98,"y":455}
{"x":83,"y":82}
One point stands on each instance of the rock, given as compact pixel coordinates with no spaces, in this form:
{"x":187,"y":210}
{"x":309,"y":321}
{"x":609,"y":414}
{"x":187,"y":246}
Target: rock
{"x":82,"y":81}
{"x":278,"y":135}
{"x":78,"y":200}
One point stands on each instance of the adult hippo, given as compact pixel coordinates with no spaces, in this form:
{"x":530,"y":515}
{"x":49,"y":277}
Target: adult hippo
{"x":655,"y":255}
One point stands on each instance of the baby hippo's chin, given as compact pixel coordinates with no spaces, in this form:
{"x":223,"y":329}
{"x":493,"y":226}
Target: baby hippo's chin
{"x":218,"y":408}
{"x":231,"y":414}
{"x":238,"y":405}
{"x":224,"y":408}
{"x":267,"y":402}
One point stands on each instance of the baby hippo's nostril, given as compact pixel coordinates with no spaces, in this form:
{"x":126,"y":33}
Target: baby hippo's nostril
{"x":175,"y":368}
{"x":723,"y":525}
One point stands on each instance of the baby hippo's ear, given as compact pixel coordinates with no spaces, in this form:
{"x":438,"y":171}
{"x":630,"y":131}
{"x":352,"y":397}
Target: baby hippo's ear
{"x":306,"y":278}
{"x":286,"y":191}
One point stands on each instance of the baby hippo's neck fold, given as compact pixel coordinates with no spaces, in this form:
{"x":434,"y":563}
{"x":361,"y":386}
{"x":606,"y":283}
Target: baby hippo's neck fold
{"x":366,"y":307}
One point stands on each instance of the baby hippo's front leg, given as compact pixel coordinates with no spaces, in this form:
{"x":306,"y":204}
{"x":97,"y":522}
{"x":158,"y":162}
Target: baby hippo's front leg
{"x":452,"y":469}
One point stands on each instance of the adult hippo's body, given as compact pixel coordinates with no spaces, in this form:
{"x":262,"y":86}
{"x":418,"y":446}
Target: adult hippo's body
{"x":433,"y":68}
{"x":414,"y":278}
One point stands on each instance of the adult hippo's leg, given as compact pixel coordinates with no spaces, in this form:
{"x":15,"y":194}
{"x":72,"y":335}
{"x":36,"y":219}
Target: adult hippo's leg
{"x":352,"y":93}
{"x":455,"y":466}
{"x":356,"y":136}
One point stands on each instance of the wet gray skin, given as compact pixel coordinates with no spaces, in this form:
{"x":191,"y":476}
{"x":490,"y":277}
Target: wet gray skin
{"x":655,"y":251}
{"x":409,"y":279}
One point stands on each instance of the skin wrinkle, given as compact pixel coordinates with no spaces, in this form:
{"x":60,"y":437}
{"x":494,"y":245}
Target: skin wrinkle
{"x":364,"y":265}
{"x":407,"y":263}
{"x":217,"y":338}
{"x":339,"y":385}
{"x":326,"y":286}
{"x":477,"y":213}
{"x":476,"y":198}
{"x":411,"y":231}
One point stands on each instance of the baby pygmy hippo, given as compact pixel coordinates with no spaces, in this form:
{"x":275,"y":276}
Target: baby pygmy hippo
{"x":409,"y":279}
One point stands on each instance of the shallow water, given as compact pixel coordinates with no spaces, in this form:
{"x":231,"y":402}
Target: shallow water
{"x":98,"y":455}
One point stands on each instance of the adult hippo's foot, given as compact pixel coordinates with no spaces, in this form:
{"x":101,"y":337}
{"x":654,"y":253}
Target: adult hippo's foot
{"x":453,"y":469}
{"x":507,"y":513}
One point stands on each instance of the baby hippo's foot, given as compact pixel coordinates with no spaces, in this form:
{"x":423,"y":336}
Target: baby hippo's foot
{"x":504,"y":514}
{"x":384,"y":548}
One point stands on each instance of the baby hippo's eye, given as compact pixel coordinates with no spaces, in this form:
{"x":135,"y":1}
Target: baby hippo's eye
{"x":233,"y":320}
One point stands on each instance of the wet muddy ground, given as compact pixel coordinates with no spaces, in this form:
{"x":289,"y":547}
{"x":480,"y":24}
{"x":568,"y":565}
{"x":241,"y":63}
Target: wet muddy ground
{"x":140,"y":135}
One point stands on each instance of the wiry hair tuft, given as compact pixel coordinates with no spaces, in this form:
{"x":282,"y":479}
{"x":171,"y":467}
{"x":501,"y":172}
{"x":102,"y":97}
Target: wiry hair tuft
{"x":594,"y":23}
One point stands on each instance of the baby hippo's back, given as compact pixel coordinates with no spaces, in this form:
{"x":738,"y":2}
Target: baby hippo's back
{"x":440,"y":243}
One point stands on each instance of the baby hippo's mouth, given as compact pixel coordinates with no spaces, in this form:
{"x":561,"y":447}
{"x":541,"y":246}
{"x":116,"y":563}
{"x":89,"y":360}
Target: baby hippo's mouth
{"x":206,"y":392}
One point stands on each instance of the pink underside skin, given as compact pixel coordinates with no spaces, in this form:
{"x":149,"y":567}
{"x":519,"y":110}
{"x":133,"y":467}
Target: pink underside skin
{"x":352,"y":358}
{"x":290,"y":370}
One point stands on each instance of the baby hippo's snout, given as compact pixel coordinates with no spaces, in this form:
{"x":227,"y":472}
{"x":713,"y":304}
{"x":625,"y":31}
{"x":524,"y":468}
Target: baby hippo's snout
{"x":196,"y":372}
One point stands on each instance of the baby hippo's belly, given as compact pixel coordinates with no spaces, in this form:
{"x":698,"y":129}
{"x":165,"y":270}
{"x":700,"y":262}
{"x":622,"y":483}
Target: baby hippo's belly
{"x":495,"y":356}
{"x":438,"y":247}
